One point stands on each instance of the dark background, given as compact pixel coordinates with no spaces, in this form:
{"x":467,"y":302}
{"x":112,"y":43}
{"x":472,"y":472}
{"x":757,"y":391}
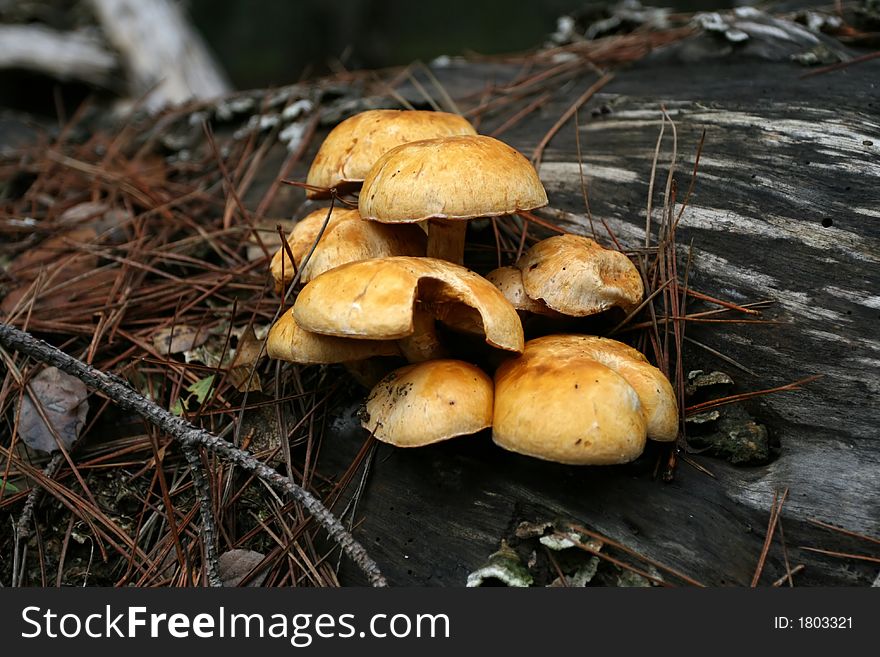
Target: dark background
{"x":265,"y":43}
{"x":268,"y":42}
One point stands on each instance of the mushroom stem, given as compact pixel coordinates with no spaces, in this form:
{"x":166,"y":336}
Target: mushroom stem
{"x":422,"y":344}
{"x":370,"y":371}
{"x":446,"y":239}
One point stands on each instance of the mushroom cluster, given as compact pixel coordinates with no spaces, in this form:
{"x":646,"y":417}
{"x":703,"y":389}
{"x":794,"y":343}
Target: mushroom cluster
{"x":386,"y":295}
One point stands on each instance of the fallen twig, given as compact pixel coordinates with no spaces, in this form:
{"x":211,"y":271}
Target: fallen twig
{"x":840,"y":65}
{"x":620,"y":546}
{"x":841,"y":530}
{"x":538,"y":153}
{"x":209,"y":525}
{"x":842,"y":555}
{"x":787,"y":577}
{"x":704,"y":406}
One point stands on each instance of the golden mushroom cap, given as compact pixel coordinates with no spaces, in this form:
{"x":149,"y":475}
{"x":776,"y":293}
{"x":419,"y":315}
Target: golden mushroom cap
{"x":347,"y":238}
{"x":428,"y":402}
{"x":375,"y":299}
{"x":301,"y":239}
{"x":460,"y":177}
{"x":353,"y":146}
{"x":655,"y":392}
{"x":576,"y":276}
{"x":351,"y":241}
{"x":509,"y":281}
{"x":566,"y":407}
{"x":548,"y":361}
{"x":288,"y":341}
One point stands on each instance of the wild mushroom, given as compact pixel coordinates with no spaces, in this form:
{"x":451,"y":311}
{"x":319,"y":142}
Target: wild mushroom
{"x":576,"y":276}
{"x":351,"y":241}
{"x":581,"y":400}
{"x":447,"y":181}
{"x":656,"y":394}
{"x":366,"y":360}
{"x":288,"y":341}
{"x":571,"y":410}
{"x":509,"y":281}
{"x":428,"y":402}
{"x":353,"y":146}
{"x":347,"y":238}
{"x":301,"y":239}
{"x":398,"y":298}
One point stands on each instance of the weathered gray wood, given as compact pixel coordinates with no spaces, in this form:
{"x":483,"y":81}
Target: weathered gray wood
{"x":162,"y":59}
{"x":161,"y":52}
{"x":65,"y":55}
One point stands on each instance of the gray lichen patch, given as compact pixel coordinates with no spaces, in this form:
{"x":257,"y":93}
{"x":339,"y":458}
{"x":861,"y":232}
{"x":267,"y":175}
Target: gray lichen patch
{"x":700,"y":381}
{"x":561,"y":554}
{"x":733,"y":436}
{"x":503,"y":566}
{"x":581,"y":577}
{"x":726,"y":432}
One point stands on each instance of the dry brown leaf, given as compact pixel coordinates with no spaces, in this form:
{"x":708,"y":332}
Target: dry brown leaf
{"x":246,"y":355}
{"x":63,"y":399}
{"x":179,"y":338}
{"x":235,"y":564}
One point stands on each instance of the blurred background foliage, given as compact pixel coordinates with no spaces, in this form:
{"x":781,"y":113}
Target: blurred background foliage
{"x":264,"y":43}
{"x":268,"y":42}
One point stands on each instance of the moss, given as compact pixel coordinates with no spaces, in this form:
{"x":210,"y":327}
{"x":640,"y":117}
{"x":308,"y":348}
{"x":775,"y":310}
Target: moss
{"x":733,"y":436}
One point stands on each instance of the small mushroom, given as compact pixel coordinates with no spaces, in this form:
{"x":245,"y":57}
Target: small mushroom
{"x":366,"y":360}
{"x":347,"y":238}
{"x":356,"y":239}
{"x":567,"y":407}
{"x":399,"y":297}
{"x":353,"y":146}
{"x":576,"y":276}
{"x":428,"y":402}
{"x":582,"y":399}
{"x":301,"y":239}
{"x":288,"y":341}
{"x":447,"y":181}
{"x":509,"y":281}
